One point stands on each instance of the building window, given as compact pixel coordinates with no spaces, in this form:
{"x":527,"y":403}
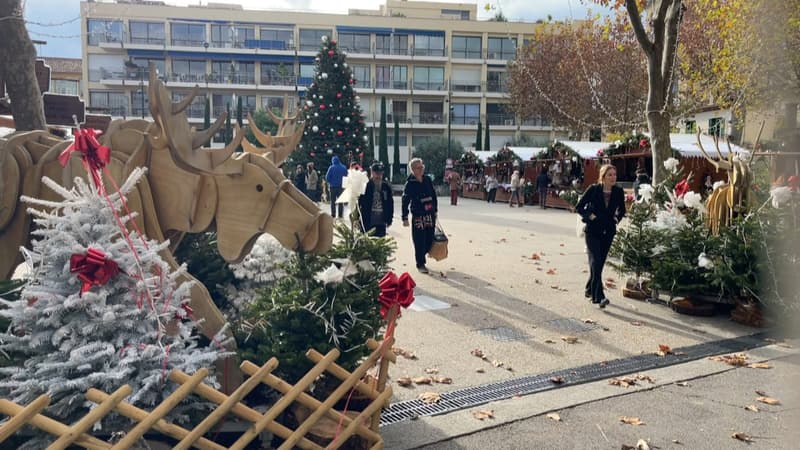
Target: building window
{"x":460,"y":14}
{"x":277,"y":74}
{"x":691,"y":126}
{"x":403,"y":141}
{"x":496,"y":81}
{"x":100,"y":30}
{"x":311,"y":40}
{"x":391,"y":77}
{"x":109,"y":102}
{"x":188,"y":34}
{"x":106,"y":67}
{"x":244,"y":72}
{"x":716,"y":126}
{"x":496,"y":114}
{"x":275,"y":104}
{"x":354,"y":42}
{"x":468,"y":47}
{"x":395,"y":44}
{"x":66,"y":87}
{"x":151,"y":33}
{"x":466,"y":80}
{"x":502,"y":48}
{"x":428,"y":45}
{"x":189,"y":71}
{"x":428,"y":112}
{"x":276,"y":39}
{"x":196,"y":110}
{"x":230,"y":36}
{"x":142,"y":69}
{"x":307,"y":73}
{"x":361,"y":74}
{"x":466,"y":113}
{"x":429,"y":78}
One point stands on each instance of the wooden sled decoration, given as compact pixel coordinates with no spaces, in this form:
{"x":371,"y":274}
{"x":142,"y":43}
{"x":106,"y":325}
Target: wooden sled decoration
{"x":364,"y":425}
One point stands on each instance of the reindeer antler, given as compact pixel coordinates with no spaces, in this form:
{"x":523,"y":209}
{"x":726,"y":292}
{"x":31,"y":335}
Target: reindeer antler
{"x":722,"y":164}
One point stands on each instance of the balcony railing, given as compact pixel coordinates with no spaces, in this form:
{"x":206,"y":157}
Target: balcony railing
{"x":195,"y":111}
{"x":466,"y":54}
{"x":500,"y":86}
{"x":391,"y":84}
{"x":465,"y":120}
{"x":120,"y":110}
{"x":391,"y":51}
{"x":465,"y":86}
{"x":429,"y":117}
{"x":217,"y":110}
{"x":148,"y":41}
{"x":395,"y":116}
{"x":357,"y":49}
{"x":188,"y":42}
{"x":429,"y":51}
{"x":501,"y":55}
{"x":429,"y":85}
{"x":500,"y":119}
{"x":536,"y":122}
{"x":277,"y":80}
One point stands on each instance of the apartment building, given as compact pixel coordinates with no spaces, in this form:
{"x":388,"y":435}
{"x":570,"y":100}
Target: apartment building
{"x":440,"y":69}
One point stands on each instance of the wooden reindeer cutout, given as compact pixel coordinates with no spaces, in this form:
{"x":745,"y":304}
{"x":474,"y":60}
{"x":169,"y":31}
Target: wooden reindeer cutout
{"x":276,"y":148}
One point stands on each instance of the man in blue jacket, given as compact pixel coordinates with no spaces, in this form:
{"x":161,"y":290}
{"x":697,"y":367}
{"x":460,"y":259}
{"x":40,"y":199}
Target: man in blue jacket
{"x":376,"y":204}
{"x":333,"y":177}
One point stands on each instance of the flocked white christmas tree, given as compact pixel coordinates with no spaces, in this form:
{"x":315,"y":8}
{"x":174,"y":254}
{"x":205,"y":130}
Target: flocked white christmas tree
{"x":132,"y":329}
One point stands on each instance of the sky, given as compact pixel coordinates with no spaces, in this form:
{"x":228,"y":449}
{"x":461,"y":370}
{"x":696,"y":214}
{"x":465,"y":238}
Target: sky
{"x":58,"y":21}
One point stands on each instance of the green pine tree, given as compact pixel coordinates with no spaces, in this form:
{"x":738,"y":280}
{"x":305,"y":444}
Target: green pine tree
{"x":333,"y":117}
{"x":383,"y":145}
{"x":228,"y":128}
{"x":486,"y":142}
{"x":371,"y":148}
{"x":479,"y":138}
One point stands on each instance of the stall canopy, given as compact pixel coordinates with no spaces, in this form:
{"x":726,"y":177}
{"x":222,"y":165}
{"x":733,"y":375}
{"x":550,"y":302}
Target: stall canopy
{"x":586,"y":149}
{"x":525,"y":153}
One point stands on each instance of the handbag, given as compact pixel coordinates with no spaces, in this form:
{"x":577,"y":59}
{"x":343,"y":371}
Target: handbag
{"x":580,"y":227}
{"x":438,"y":249}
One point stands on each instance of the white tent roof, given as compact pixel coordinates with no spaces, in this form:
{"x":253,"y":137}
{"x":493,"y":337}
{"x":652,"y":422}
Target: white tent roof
{"x":525,"y":153}
{"x":5,"y":131}
{"x":586,"y":149}
{"x":686,"y":145}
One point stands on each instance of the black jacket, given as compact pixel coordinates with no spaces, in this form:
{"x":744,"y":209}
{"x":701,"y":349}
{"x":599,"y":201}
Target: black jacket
{"x":420,"y":196}
{"x":365,"y":204}
{"x":606,"y":217}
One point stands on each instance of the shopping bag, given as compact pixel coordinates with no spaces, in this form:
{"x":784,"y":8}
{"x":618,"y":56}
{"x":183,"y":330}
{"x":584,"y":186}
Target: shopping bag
{"x":580,"y":227}
{"x":438,"y":249}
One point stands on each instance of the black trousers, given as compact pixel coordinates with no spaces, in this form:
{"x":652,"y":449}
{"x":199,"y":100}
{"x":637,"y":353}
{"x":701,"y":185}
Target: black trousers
{"x":423,"y":240}
{"x":380,"y":230}
{"x":543,"y":198}
{"x":335,"y":192}
{"x":597,"y":247}
{"x":490,"y":198}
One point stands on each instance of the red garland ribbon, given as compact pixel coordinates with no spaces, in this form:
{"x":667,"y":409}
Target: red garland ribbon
{"x":93,"y":268}
{"x":395,"y":290}
{"x":95,"y":156}
{"x":682,"y":188}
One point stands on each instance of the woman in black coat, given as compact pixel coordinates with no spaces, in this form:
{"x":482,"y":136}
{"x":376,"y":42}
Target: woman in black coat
{"x":602,"y":206}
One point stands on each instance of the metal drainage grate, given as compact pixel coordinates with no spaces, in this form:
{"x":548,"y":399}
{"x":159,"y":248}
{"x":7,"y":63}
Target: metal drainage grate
{"x":503,"y":334}
{"x":571,"y":324}
{"x":478,"y":395}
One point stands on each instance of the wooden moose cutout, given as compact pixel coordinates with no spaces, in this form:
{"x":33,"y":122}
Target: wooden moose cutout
{"x":734,"y":197}
{"x":276,"y":148}
{"x":188,"y":189}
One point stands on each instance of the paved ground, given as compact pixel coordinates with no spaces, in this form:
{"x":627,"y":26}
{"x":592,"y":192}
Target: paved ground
{"x":519,"y":273}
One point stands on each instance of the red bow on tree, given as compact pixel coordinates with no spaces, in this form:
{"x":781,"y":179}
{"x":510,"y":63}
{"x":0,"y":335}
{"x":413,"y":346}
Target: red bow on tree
{"x":93,"y":268}
{"x":794,"y":182}
{"x":396,"y":291}
{"x":95,"y":155}
{"x":682,"y":188}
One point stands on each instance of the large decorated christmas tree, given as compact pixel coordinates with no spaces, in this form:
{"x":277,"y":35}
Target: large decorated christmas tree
{"x":102,"y":309}
{"x":334,"y":121}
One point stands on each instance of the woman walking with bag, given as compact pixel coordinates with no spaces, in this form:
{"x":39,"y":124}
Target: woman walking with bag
{"x":602,"y":206}
{"x":420,"y":196}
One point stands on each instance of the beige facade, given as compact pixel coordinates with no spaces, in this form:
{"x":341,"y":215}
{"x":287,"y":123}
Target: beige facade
{"x":433,"y":62}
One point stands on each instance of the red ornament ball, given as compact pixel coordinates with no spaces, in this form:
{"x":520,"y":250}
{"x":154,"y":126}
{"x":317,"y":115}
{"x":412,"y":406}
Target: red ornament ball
{"x":312,"y":154}
{"x":330,"y":52}
{"x":339,"y":133}
{"x":321,"y":106}
{"x":338,"y":95}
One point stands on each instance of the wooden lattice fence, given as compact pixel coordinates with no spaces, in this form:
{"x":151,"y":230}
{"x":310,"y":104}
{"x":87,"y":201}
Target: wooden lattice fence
{"x":364,"y":424}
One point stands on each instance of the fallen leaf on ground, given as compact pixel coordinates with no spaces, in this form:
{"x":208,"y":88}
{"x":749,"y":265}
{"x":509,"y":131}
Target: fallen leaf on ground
{"x":682,"y":383}
{"x":422,"y":380}
{"x":404,"y":353}
{"x":497,"y":363}
{"x":641,"y":444}
{"x":759,"y":366}
{"x":551,"y":271}
{"x":664,"y":350}
{"x":631,"y":420}
{"x":643,"y":377}
{"x":557,"y":380}
{"x":483,"y":414}
{"x":742,"y":437}
{"x":570,"y":339}
{"x":443,"y":380}
{"x":636,"y":323}
{"x":535,"y":256}
{"x":561,"y":245}
{"x":554,"y":416}
{"x":479,"y":370}
{"x":430,"y":397}
{"x":761,"y":393}
{"x":404,"y":381}
{"x":584,"y":271}
{"x":753,"y":408}
{"x":537,"y":281}
{"x":431,"y":370}
{"x":549,"y":341}
{"x":610,"y":285}
{"x":769,"y":400}
{"x":738,"y":359}
{"x":622,"y":382}
{"x":589,"y":321}
{"x":477,"y":352}
{"x":555,"y":286}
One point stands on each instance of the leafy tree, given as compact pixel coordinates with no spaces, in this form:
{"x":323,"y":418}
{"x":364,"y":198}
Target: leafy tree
{"x":333,"y":117}
{"x":433,"y":152}
{"x":479,"y":138}
{"x":383,"y":145}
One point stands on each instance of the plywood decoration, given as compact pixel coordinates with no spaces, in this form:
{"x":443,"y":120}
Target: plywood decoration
{"x":187,"y":189}
{"x":276,"y":148}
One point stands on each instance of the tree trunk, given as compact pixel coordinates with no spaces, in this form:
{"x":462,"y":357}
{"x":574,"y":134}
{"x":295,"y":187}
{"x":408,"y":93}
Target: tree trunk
{"x":18,"y":57}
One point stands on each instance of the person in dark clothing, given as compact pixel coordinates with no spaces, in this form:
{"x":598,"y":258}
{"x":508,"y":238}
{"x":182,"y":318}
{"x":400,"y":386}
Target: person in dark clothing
{"x":542,"y":182}
{"x":375,"y":204}
{"x":601,"y":207}
{"x":641,"y":178}
{"x":300,"y":179}
{"x":333,"y":177}
{"x":420,"y":196}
